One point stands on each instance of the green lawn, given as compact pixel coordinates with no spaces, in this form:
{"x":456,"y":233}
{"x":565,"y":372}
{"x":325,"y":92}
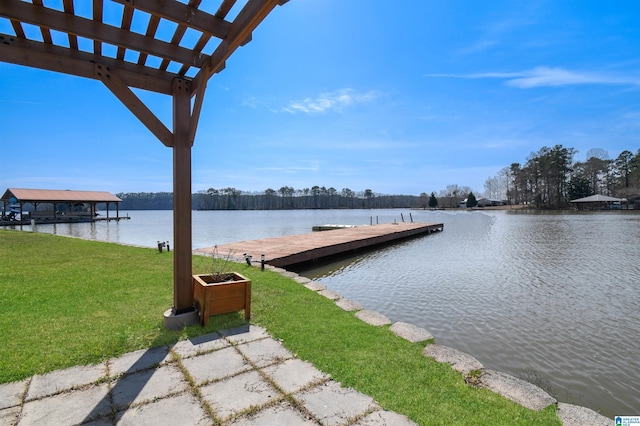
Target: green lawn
{"x":66,"y":302}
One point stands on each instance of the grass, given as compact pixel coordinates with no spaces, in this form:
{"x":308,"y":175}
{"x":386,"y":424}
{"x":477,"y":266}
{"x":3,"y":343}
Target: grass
{"x":66,"y":302}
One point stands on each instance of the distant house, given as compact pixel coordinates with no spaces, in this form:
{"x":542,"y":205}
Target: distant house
{"x":52,"y":205}
{"x":485,"y":202}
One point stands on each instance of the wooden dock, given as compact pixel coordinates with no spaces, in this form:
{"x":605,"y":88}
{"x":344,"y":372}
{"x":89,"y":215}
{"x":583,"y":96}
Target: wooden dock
{"x":61,"y":219}
{"x":290,"y":250}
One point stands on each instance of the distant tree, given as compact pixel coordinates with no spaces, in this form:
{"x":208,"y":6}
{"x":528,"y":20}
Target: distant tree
{"x":597,"y":171}
{"x":598,"y":153}
{"x":368,"y":194}
{"x":517,"y":193}
{"x":471,"y":200}
{"x":287,"y":196}
{"x":433,"y":201}
{"x":579,"y":187}
{"x":547,"y":173}
{"x":270,"y":195}
{"x":492,"y":187}
{"x":623,"y":168}
{"x":424,"y":200}
{"x":315,"y":192}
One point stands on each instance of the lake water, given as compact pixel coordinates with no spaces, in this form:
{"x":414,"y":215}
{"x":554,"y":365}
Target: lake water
{"x":553,"y":298}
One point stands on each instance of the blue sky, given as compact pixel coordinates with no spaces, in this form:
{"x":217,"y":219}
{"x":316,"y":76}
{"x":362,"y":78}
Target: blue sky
{"x":400,"y":97}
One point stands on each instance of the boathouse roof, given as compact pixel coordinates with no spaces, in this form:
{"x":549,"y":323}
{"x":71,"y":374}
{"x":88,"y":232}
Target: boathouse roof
{"x":58,"y":195}
{"x":598,"y":198}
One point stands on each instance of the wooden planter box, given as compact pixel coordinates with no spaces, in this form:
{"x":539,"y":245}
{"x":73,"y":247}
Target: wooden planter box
{"x":213,"y":298}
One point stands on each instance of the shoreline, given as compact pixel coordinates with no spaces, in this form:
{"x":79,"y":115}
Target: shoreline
{"x":474,"y":373}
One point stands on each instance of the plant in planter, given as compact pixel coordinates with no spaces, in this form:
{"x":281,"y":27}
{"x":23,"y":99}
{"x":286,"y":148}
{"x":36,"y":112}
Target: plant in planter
{"x":221,"y":291}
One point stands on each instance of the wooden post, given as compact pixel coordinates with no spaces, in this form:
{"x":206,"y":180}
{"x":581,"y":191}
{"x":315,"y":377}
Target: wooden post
{"x":182,"y":264}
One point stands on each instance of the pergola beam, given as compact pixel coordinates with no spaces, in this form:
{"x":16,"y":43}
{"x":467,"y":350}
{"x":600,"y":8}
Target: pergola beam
{"x":184,"y":15}
{"x":240,"y":32}
{"x":72,"y":24}
{"x":34,"y":54}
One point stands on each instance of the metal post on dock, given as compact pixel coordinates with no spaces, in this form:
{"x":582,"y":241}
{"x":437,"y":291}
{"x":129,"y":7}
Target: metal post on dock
{"x":410,"y":217}
{"x":402,"y":217}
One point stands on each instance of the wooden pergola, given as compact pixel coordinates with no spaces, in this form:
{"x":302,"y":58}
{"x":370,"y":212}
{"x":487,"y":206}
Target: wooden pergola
{"x":120,"y":74}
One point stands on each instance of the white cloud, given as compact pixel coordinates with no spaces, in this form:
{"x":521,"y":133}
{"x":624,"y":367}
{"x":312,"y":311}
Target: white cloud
{"x":550,"y":77}
{"x":336,"y":100}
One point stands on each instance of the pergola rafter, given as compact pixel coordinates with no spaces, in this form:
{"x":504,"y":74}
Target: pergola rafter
{"x":120,"y":75}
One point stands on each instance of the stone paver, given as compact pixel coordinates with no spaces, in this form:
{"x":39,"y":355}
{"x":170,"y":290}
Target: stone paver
{"x":524,"y":393}
{"x":138,"y":360}
{"x":11,"y":393}
{"x":9,"y":416}
{"x":349,"y":305}
{"x":215,"y":365}
{"x":57,"y":381}
{"x":315,"y":286}
{"x":295,"y":374}
{"x":282,"y":414}
{"x":334,"y":405}
{"x":373,"y":318}
{"x":264,"y":352}
{"x":330,"y":294}
{"x":574,"y":415}
{"x":148,"y":385}
{"x":384,"y":418}
{"x":199,"y":345}
{"x":410,"y":332}
{"x":184,"y":409}
{"x":68,"y":408}
{"x":459,"y":361}
{"x":244,"y":334}
{"x":236,"y":394}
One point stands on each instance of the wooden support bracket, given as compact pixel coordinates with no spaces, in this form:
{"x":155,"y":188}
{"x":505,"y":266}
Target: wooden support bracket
{"x":134,"y":104}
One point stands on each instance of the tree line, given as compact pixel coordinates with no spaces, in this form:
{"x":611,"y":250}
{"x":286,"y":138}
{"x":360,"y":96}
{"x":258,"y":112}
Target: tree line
{"x":285,"y":198}
{"x":551,"y":179}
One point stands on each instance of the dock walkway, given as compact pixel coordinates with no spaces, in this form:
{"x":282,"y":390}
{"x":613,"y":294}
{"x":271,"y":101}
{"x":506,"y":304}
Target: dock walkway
{"x":294,"y":249}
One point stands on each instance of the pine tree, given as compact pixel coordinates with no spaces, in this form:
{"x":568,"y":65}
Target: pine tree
{"x":471,"y":200}
{"x":433,"y":201}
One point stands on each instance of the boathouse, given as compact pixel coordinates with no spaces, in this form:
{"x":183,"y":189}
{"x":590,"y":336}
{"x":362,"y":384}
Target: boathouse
{"x":55,"y":206}
{"x":600,"y":202}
